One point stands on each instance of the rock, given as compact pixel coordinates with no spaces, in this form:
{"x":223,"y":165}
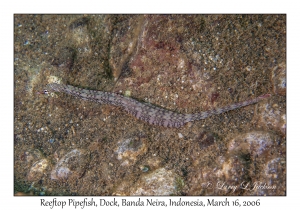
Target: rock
{"x":151,"y":164}
{"x":253,"y":165}
{"x":255,"y":142}
{"x":129,"y":149}
{"x":180,"y":135}
{"x":252,"y":155}
{"x":275,"y":178}
{"x":32,"y":155}
{"x":33,"y":162}
{"x":37,"y":170}
{"x":125,"y":41}
{"x":279,"y":79}
{"x":159,"y":182}
{"x":71,"y":166}
{"x":272,"y":115}
{"x":206,"y":139}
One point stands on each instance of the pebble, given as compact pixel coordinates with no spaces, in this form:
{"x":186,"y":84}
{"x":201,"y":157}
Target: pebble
{"x":37,"y":170}
{"x":160,"y":182}
{"x":180,"y":135}
{"x":279,"y":79}
{"x":272,"y":116}
{"x":256,"y":143}
{"x":33,"y":155}
{"x":145,"y":168}
{"x":128,"y":150}
{"x":71,"y":165}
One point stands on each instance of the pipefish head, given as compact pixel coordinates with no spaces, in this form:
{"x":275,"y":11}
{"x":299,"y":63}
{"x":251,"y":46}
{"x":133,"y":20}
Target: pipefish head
{"x":51,"y":88}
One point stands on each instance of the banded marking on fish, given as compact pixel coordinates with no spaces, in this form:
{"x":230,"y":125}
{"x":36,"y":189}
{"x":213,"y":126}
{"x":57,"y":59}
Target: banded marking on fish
{"x":144,"y":111}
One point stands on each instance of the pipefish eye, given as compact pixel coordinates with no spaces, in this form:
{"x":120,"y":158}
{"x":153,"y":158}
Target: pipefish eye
{"x":46,"y":92}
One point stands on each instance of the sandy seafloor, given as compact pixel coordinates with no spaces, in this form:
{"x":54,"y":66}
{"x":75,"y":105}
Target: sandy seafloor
{"x":184,"y":63}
